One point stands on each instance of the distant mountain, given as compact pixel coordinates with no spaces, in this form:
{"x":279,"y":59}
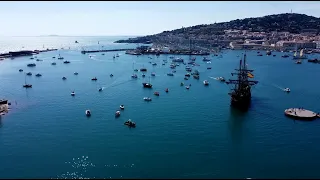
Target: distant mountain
{"x":288,"y":22}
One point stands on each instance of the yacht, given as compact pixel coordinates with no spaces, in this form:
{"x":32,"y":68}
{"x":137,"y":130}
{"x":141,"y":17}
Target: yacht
{"x":111,"y":75}
{"x":143,"y":69}
{"x":66,"y":62}
{"x":187,"y":87}
{"x":206,"y":83}
{"x":88,"y":112}
{"x":156,"y":93}
{"x":38,"y":75}
{"x":53,"y":63}
{"x":27,"y":86}
{"x":94,"y":79}
{"x":29,"y":73}
{"x":75,"y":73}
{"x":153,"y":74}
{"x":73,"y":93}
{"x":122,"y":107}
{"x":20,"y":70}
{"x":64,"y":78}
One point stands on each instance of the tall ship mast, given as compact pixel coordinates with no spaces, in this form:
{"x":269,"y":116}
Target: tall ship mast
{"x":241,"y":91}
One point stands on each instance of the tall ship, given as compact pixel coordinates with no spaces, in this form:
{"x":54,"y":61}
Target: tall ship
{"x":241,"y":91}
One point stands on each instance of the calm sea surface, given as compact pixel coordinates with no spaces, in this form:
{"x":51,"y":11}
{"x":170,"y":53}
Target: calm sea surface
{"x":182,"y":134}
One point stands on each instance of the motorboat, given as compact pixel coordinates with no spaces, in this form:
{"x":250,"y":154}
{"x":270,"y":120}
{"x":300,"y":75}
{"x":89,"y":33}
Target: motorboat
{"x":39,"y":60}
{"x":156,"y":93}
{"x":100,"y":89}
{"x":167,"y":90}
{"x":27,"y":86}
{"x":111,"y":75}
{"x":64,"y":78}
{"x":221,"y":79}
{"x":117,"y":55}
{"x":154,"y":64}
{"x":31,"y":65}
{"x":73,"y":93}
{"x":31,"y":58}
{"x":187,"y":75}
{"x":122,"y":107}
{"x":134,"y":76}
{"x":206,"y":83}
{"x":136,"y":70}
{"x":102,"y":54}
{"x":205,"y":59}
{"x":153,"y":74}
{"x":209,"y":62}
{"x":298,"y":62}
{"x":38,"y":75}
{"x":285,"y":56}
{"x":181,"y":84}
{"x":53,"y":63}
{"x":94,"y":79}
{"x":147,"y":85}
{"x":130,"y":123}
{"x":20,"y":70}
{"x":29,"y":73}
{"x":186,"y":78}
{"x":75,"y":73}
{"x":66,"y":62}
{"x":196,"y":76}
{"x":53,"y":57}
{"x":117,"y":114}
{"x":286,"y":90}
{"x":170,"y":74}
{"x":3,"y":101}
{"x":88,"y":113}
{"x":147,"y":99}
{"x":259,"y":55}
{"x":143,"y":75}
{"x":187,"y":87}
{"x":208,"y":67}
{"x":143,"y":69}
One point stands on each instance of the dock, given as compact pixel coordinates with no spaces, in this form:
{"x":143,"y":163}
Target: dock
{"x":299,"y":113}
{"x":106,"y":50}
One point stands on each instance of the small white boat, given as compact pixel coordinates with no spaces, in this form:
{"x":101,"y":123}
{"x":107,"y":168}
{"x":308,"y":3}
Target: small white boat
{"x":286,"y":89}
{"x":122,"y":106}
{"x":209,"y":62}
{"x":187,"y":87}
{"x":117,"y":114}
{"x":73,"y":93}
{"x":153,"y":74}
{"x":88,"y":112}
{"x":134,"y":76}
{"x":221,"y":79}
{"x":147,"y":99}
{"x":206,"y":83}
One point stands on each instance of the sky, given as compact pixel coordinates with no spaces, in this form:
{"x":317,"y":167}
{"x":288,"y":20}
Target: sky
{"x":137,"y":18}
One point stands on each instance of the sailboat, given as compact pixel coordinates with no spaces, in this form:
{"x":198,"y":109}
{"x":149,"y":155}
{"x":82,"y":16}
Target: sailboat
{"x":301,"y":55}
{"x":135,"y":76}
{"x":25,"y":83}
{"x":60,"y":57}
{"x":147,"y":85}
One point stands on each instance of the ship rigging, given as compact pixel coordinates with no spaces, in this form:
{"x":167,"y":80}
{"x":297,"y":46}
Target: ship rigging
{"x":241,"y":91}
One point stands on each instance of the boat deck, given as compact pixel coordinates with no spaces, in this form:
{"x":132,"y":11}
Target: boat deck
{"x":300,"y":113}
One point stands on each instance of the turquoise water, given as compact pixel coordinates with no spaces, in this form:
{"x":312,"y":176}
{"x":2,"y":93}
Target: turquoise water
{"x":182,"y":134}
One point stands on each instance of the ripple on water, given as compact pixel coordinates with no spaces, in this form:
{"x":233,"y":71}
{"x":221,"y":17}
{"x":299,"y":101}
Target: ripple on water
{"x":81,"y":166}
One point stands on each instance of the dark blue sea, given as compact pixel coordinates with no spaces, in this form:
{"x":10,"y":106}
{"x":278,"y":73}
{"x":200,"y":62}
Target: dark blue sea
{"x":181,"y":134}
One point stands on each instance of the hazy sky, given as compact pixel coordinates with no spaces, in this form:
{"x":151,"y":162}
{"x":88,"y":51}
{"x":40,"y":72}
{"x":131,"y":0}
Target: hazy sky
{"x":131,"y":18}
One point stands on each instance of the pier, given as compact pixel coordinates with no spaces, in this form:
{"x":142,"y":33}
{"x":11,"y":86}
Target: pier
{"x":300,"y":113}
{"x":106,"y":50}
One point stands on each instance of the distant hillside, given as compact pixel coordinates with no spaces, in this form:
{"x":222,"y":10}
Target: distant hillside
{"x":289,"y":22}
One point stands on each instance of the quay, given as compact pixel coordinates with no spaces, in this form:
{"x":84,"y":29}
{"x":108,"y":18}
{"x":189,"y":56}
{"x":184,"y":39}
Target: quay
{"x":300,"y":113}
{"x":106,"y":50}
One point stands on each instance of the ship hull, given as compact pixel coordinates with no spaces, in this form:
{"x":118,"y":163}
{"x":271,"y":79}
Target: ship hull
{"x":241,"y":102}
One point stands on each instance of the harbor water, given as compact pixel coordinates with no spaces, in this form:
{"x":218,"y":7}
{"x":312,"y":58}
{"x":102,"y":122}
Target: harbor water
{"x":180,"y":134}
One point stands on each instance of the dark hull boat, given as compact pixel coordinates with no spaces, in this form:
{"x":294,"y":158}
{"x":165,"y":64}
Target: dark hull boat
{"x":3,"y":101}
{"x":147,"y":85}
{"x":241,"y":92}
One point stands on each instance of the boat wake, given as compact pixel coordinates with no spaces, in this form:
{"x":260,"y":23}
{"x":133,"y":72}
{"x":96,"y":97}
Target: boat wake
{"x":276,"y":86}
{"x":215,"y":78}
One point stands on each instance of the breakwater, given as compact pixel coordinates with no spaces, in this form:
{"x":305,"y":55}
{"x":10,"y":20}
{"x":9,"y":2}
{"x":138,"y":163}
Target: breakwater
{"x":106,"y":50}
{"x":23,"y":53}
